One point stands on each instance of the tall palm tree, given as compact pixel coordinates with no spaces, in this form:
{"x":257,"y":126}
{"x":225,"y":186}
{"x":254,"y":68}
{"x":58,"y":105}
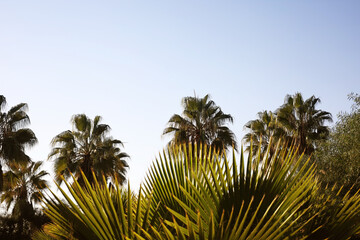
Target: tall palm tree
{"x":87,"y":147}
{"x":24,"y":184}
{"x":262,"y":130}
{"x":303,"y":122}
{"x":14,"y":138}
{"x":201,"y":122}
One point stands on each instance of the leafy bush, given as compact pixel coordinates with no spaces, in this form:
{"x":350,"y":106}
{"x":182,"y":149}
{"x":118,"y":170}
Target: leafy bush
{"x":339,"y":157}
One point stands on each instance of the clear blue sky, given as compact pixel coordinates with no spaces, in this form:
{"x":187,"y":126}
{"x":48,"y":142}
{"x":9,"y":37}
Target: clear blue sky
{"x":132,"y":61}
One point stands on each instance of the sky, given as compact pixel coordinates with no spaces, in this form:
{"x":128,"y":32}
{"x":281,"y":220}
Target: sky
{"x":132,"y":62}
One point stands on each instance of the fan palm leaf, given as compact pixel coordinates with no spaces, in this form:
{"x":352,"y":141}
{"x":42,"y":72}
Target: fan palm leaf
{"x":226,"y":195}
{"x":14,"y":137}
{"x":202,"y":121}
{"x":95,"y":211}
{"x":87,"y":147}
{"x":303,"y":122}
{"x":207,"y":196}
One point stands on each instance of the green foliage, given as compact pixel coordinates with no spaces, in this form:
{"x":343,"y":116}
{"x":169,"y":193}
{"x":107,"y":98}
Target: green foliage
{"x":95,"y":211}
{"x":252,"y":201}
{"x":334,"y":216}
{"x":14,"y":138}
{"x":339,"y":157}
{"x":24,"y":183}
{"x":11,"y":228}
{"x":262,"y":131}
{"x":296,"y":121}
{"x":87,"y":147}
{"x":303,"y":122}
{"x":201,"y":122}
{"x":206,"y":196}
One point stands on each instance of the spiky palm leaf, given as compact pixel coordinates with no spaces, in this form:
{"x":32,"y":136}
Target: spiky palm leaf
{"x":97,"y":211}
{"x":206,"y":197}
{"x":168,"y":174}
{"x":336,"y":214}
{"x":221,"y":194}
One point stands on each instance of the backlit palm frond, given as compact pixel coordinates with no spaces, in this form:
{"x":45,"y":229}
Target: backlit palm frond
{"x":95,"y":211}
{"x":201,"y":122}
{"x":87,"y":147}
{"x":303,"y":122}
{"x":195,"y":192}
{"x":244,"y":201}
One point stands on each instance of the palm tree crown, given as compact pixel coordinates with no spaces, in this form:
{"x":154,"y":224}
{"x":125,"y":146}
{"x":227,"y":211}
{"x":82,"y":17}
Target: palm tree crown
{"x":262,"y":130}
{"x":24,"y":183}
{"x":88,"y":148}
{"x":303,"y":122}
{"x":14,"y":138}
{"x":201,"y":122}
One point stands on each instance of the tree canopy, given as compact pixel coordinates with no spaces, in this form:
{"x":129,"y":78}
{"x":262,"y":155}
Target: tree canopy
{"x":24,"y":183}
{"x":303,"y":122}
{"x":14,"y":137}
{"x":201,"y":121}
{"x":297,"y":120}
{"x":339,"y":157}
{"x":88,"y":148}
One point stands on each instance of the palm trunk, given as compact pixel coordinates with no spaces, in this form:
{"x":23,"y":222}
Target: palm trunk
{"x":1,"y":178}
{"x":303,"y":145}
{"x":86,"y":167}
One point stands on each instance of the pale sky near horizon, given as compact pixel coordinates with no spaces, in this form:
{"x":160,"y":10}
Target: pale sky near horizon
{"x":132,"y":62}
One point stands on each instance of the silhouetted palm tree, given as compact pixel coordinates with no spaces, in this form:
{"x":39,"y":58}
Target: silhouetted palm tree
{"x":87,"y":147}
{"x":262,"y":130}
{"x":201,"y":122}
{"x":24,"y":184}
{"x":303,"y":122}
{"x":14,"y":138}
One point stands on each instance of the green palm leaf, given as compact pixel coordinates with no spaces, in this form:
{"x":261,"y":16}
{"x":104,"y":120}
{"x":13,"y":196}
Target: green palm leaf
{"x":87,"y":147}
{"x":208,"y":196}
{"x":95,"y":211}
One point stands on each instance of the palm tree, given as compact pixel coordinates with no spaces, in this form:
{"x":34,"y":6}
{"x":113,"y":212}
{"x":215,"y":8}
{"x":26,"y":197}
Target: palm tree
{"x":88,"y":148}
{"x":201,"y":122}
{"x":14,"y":138}
{"x":303,"y":122}
{"x":262,"y":131}
{"x":24,"y":184}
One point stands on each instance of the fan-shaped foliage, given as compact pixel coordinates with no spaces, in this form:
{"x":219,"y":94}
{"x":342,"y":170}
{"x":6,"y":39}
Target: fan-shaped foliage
{"x":14,"y":138}
{"x":25,"y":183}
{"x":202,"y":121}
{"x":297,"y":120}
{"x":207,"y":196}
{"x":303,"y":122}
{"x":87,"y":147}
